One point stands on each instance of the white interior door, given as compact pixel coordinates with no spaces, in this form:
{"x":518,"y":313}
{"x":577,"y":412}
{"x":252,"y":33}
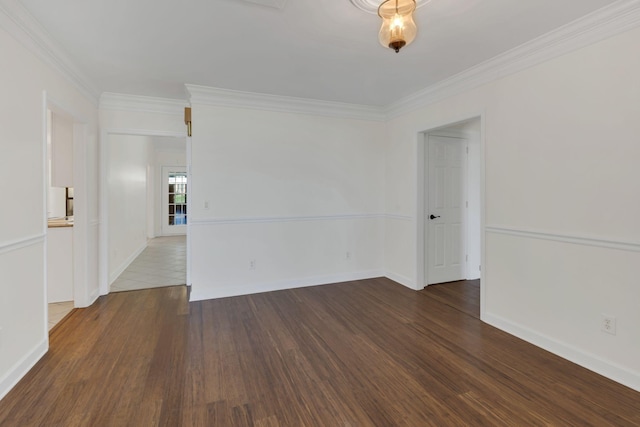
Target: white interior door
{"x":445,"y":213}
{"x":174,"y":200}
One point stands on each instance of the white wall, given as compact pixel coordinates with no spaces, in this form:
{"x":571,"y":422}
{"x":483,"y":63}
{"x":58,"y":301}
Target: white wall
{"x":23,"y":326}
{"x":127,"y":186}
{"x":474,"y":210}
{"x":57,"y":206}
{"x":290,"y":193}
{"x":562,"y":234}
{"x":59,"y":264}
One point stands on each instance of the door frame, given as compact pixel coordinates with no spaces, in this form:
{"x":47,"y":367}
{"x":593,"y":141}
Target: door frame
{"x":422,"y":202}
{"x":103,"y":233}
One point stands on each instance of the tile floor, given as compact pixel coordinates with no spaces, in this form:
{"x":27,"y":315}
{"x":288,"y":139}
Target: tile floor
{"x":57,"y":311}
{"x":162,"y":263}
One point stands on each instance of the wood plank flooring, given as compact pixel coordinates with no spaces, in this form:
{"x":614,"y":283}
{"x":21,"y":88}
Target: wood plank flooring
{"x":364,"y":353}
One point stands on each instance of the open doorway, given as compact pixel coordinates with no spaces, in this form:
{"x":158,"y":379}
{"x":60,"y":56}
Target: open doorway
{"x":60,"y":215}
{"x":140,"y":252}
{"x":71,"y":245}
{"x":449,"y":211}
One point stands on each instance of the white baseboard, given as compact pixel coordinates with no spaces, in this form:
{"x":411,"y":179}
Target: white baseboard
{"x":21,"y":368}
{"x":122,"y":267}
{"x":170,"y":235}
{"x":590,"y":361}
{"x":93,"y":296}
{"x":198,"y":294}
{"x":403,"y":280}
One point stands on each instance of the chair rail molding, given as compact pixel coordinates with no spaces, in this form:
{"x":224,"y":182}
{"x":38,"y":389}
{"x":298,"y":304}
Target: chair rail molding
{"x":609,"y":243}
{"x":14,"y":245}
{"x":266,"y":219}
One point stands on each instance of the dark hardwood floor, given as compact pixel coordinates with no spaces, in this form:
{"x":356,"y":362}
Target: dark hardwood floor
{"x":364,"y":353}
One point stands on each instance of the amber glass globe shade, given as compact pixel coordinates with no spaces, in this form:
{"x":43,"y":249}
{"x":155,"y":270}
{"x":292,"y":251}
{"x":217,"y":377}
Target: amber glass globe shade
{"x":398,"y":28}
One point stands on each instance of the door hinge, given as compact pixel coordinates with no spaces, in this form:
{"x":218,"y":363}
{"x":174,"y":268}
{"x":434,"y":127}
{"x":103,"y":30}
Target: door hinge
{"x":467,"y":204}
{"x":467,"y":150}
{"x":466,"y":257}
{"x":187,"y":119}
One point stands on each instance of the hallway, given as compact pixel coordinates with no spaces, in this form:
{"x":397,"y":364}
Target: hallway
{"x":162,"y":263}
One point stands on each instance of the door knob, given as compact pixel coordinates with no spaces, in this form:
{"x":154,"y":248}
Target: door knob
{"x":432,"y":216}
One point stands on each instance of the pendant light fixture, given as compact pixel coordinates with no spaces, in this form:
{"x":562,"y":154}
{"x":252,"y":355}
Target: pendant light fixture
{"x":398,"y":28}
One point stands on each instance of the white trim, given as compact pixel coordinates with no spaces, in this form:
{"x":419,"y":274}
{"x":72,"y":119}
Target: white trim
{"x":14,"y":245}
{"x":45,"y":214}
{"x":606,"y":22}
{"x":189,"y":208}
{"x":103,"y":206}
{"x":403,"y":280}
{"x":122,"y":267}
{"x":93,"y":296}
{"x":371,"y":6}
{"x":285,"y":104}
{"x":61,"y":108}
{"x":400,"y":217}
{"x":143,"y":104}
{"x":142,"y":132}
{"x":22,"y":367}
{"x":231,"y":291}
{"x":483,"y":215}
{"x":587,"y":360}
{"x":18,"y":22}
{"x":446,"y":133}
{"x":276,"y":4}
{"x":600,"y":242}
{"x":253,"y":220}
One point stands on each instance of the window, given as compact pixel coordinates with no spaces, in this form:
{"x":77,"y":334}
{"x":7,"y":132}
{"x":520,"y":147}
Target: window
{"x":177,"y":198}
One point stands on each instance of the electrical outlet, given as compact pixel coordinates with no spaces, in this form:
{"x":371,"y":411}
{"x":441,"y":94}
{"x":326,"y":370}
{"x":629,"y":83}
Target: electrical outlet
{"x":608,"y":324}
{"x":347,"y":256}
{"x":252,"y":264}
{"x":206,"y":204}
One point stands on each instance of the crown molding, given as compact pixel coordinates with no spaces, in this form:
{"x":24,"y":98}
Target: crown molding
{"x":236,"y":99}
{"x":371,"y":6}
{"x":142,"y":104}
{"x":276,"y":4}
{"x":19,"y":23}
{"x":601,"y":24}
{"x":606,"y":22}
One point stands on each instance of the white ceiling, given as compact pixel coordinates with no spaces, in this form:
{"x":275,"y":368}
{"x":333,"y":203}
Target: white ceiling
{"x":318,"y":49}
